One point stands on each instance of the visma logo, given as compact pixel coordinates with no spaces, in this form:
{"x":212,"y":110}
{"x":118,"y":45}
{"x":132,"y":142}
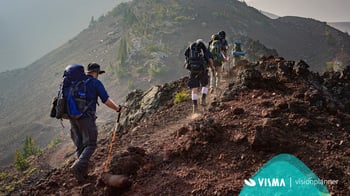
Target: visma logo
{"x":250,"y":182}
{"x":275,"y":178}
{"x":272,"y":182}
{"x":266,"y":182}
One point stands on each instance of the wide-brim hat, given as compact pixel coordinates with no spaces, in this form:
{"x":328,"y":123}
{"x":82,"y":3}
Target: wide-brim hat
{"x":94,"y":67}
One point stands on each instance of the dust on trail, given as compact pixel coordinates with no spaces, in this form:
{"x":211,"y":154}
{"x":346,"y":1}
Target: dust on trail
{"x":194,"y":116}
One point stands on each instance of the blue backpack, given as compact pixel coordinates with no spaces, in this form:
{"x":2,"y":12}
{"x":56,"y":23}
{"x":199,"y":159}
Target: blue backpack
{"x":70,"y":102}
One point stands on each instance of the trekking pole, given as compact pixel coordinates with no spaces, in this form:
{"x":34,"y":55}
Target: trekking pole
{"x":110,"y":179}
{"x":116,"y":129}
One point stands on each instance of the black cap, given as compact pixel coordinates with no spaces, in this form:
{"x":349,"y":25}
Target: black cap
{"x":94,"y":67}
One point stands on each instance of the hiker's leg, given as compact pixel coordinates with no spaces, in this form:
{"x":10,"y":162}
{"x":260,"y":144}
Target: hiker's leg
{"x":194,"y":97}
{"x":89,"y":136}
{"x":194,"y":84}
{"x":204,"y":84}
{"x":218,"y":76}
{"x":225,"y":67}
{"x":204,"y":95}
{"x":212,"y":80}
{"x":76,"y":135}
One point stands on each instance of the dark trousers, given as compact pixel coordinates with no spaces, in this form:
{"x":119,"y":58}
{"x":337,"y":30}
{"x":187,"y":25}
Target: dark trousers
{"x":198,"y":79}
{"x":84,"y":135}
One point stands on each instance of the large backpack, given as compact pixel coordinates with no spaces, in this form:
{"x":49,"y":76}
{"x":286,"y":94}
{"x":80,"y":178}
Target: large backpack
{"x":70,"y":101}
{"x":215,"y":50}
{"x":237,"y":49}
{"x":195,"y":62}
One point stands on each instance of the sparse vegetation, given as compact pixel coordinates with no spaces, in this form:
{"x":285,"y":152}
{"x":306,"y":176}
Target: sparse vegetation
{"x":126,"y":12}
{"x":140,"y":69}
{"x":92,"y":22}
{"x":183,"y":18}
{"x":30,"y":147}
{"x":21,"y":163}
{"x":181,"y":96}
{"x":54,"y":142}
{"x":121,"y":71}
{"x":30,"y":171}
{"x":122,"y":52}
{"x":155,"y":70}
{"x":335,"y":66}
{"x":3,"y":175}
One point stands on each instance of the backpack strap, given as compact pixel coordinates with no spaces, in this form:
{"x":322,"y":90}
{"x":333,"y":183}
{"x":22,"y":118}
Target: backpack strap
{"x":85,"y":89}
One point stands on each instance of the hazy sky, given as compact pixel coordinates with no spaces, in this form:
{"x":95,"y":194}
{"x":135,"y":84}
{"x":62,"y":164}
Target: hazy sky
{"x":33,"y":28}
{"x":323,"y":10}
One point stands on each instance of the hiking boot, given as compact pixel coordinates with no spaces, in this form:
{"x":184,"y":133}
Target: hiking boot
{"x":77,"y":173}
{"x":195,"y":109}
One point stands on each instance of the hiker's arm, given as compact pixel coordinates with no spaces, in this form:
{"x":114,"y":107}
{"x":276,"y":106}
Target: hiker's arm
{"x":110,"y":103}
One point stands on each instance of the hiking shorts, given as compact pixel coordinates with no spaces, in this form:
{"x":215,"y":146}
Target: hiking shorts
{"x":198,"y":80}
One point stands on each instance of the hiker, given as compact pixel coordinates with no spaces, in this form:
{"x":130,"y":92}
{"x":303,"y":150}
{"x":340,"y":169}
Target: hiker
{"x":197,"y":60}
{"x":237,"y":52}
{"x":212,"y":37}
{"x":217,"y":52}
{"x":225,"y":47}
{"x":84,"y":130}
{"x":223,"y":41}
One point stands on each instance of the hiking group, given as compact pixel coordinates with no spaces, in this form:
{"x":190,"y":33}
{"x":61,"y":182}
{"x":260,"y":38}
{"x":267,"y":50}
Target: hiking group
{"x":76,"y":100}
{"x":205,"y":65}
{"x":79,"y":91}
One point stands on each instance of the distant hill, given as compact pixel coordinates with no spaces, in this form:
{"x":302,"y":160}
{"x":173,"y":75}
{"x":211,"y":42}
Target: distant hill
{"x":342,"y":26}
{"x":141,"y":43}
{"x":270,"y":15}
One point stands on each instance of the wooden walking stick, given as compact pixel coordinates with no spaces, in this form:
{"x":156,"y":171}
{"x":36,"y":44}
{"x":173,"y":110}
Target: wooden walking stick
{"x":108,"y":178}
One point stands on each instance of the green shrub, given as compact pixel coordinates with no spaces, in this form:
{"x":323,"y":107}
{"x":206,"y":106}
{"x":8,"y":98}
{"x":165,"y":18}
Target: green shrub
{"x":21,"y":163}
{"x":3,"y":175}
{"x":30,"y":148}
{"x":122,"y":51}
{"x":181,"y":96}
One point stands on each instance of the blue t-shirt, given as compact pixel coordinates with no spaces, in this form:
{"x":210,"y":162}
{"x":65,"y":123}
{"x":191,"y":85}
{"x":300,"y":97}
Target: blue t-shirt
{"x":95,"y":89}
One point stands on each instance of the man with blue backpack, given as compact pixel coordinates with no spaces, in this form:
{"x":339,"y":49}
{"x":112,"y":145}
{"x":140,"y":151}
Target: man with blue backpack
{"x":77,"y":99}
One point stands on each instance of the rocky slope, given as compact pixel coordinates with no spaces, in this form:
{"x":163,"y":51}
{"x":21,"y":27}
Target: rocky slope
{"x":264,"y":109}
